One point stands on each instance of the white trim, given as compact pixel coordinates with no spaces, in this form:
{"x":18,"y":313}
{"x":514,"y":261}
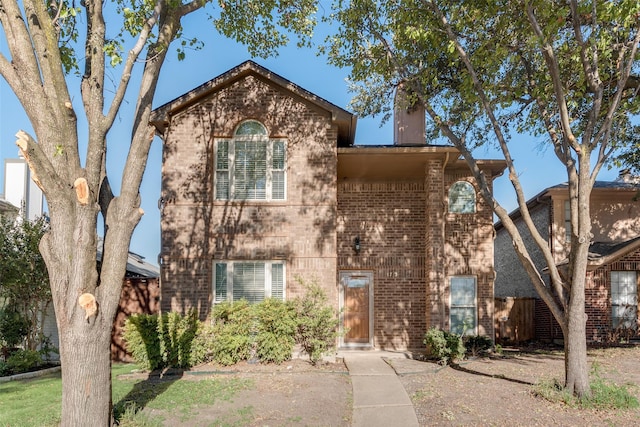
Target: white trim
{"x":267,"y":277}
{"x":231,"y":168}
{"x":355,"y":273}
{"x":474,"y":331}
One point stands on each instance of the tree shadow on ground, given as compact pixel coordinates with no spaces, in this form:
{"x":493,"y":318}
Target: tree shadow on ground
{"x":146,"y":391}
{"x":483,"y":374}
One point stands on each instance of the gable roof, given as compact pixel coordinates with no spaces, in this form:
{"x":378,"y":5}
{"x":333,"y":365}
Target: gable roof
{"x":544,"y":196}
{"x":601,"y":253}
{"x":7,"y":207}
{"x":137,"y":267}
{"x":346,"y":121}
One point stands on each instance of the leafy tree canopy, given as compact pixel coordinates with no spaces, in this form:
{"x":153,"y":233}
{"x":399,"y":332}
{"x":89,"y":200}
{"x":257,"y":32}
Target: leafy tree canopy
{"x":485,"y":70}
{"x":24,"y":281}
{"x":417,"y":43}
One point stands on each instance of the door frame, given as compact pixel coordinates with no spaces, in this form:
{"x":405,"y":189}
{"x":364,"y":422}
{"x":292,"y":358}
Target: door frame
{"x":344,"y":274}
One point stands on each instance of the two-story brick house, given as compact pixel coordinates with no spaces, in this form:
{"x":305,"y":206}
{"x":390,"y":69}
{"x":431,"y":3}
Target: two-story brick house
{"x":614,"y":257}
{"x":262,"y":184}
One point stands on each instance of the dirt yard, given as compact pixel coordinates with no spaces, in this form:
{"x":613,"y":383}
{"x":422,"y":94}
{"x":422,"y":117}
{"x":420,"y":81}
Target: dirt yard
{"x":291,"y":394}
{"x":498,"y":391}
{"x":479,"y":392}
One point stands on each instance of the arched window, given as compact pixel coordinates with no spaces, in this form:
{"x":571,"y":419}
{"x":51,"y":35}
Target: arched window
{"x":462,"y":198}
{"x":250,"y":166}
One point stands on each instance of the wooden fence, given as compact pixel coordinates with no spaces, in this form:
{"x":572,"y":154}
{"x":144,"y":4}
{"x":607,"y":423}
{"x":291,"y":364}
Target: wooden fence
{"x":514,"y":319}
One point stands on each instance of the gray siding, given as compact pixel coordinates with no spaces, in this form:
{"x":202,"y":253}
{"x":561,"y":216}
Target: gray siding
{"x":511,"y":278}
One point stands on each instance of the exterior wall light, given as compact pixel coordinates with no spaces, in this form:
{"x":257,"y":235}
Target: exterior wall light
{"x":356,"y":244}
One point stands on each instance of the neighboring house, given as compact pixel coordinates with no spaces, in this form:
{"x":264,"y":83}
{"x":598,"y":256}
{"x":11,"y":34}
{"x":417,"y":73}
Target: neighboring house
{"x":20,"y":190}
{"x":7,"y":209}
{"x":140,"y":295}
{"x":614,"y":258}
{"x":262,"y":186}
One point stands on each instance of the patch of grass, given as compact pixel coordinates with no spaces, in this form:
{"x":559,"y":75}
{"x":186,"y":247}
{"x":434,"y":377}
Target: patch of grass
{"x":605,"y":395}
{"x":37,"y":402}
{"x":31,"y":402}
{"x":180,"y":396}
{"x":133,"y":417}
{"x":242,"y":417}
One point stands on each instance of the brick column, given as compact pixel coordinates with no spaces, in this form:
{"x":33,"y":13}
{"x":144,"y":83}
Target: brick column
{"x":434,"y":243}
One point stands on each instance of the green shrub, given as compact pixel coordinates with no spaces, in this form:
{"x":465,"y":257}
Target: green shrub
{"x":142,"y":340}
{"x":202,"y":345}
{"x":4,"y":369}
{"x":228,"y":311}
{"x":317,"y":322}
{"x":159,"y":341}
{"x":276,"y":328}
{"x":444,"y":346}
{"x":231,"y":332}
{"x":176,"y":334}
{"x":476,"y":344}
{"x":14,"y":327}
{"x":23,"y":361}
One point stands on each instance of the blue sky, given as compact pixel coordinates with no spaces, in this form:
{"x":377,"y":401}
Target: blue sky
{"x":537,"y":166}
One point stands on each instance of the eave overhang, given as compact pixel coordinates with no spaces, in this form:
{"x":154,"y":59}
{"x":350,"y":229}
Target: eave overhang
{"x":345,"y":121}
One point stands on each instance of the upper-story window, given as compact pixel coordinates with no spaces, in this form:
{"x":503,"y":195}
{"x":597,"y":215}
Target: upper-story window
{"x":462,"y":198}
{"x":250,"y":166}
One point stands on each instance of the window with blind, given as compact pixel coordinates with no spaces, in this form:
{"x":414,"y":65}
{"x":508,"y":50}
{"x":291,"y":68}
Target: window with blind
{"x":463,"y":305}
{"x":250,"y":166}
{"x":253,"y":281}
{"x":624,"y":299}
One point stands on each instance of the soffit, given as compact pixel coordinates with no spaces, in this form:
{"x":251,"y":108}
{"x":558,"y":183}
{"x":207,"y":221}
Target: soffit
{"x":402,"y":163}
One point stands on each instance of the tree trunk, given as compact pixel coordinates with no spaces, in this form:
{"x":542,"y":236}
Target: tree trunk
{"x":575,"y":350}
{"x":86,"y":374}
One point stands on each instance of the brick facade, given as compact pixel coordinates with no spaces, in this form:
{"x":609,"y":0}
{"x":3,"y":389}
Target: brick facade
{"x":389,"y":219}
{"x":396,"y":206}
{"x":598,"y":297}
{"x":196,"y":229}
{"x":615,"y":219}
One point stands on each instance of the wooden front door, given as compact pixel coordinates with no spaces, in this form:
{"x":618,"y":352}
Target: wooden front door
{"x":357,"y":300}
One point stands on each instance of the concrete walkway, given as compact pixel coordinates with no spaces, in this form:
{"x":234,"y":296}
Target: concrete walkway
{"x":379,"y":399}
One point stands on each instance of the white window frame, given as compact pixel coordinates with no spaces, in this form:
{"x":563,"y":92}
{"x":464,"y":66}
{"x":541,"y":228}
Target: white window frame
{"x":230,"y":171}
{"x":466,"y":200}
{"x":567,"y":221}
{"x":627,"y":298}
{"x":268,"y":278}
{"x":474,"y":306}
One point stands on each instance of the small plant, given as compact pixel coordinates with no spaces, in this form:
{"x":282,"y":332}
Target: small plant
{"x":317,"y":322}
{"x":498,"y":349}
{"x":444,"y":346}
{"x":477,"y":344}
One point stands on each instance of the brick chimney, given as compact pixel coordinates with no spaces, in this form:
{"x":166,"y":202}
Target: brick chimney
{"x":409,"y":119}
